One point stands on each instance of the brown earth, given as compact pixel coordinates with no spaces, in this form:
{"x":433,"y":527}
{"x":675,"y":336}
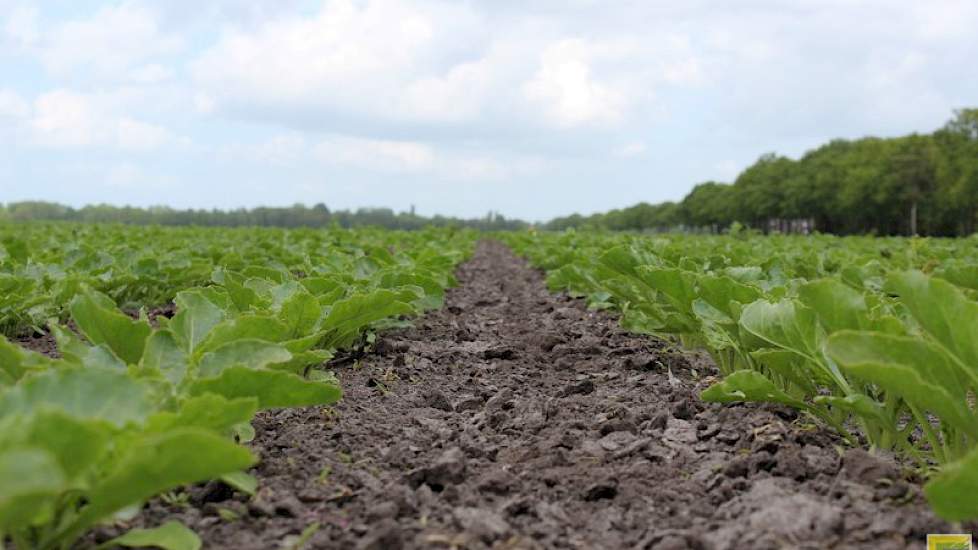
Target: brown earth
{"x":513,"y":418}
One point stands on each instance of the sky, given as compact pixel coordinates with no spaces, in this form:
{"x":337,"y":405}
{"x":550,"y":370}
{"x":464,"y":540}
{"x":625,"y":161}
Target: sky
{"x":531,"y":108}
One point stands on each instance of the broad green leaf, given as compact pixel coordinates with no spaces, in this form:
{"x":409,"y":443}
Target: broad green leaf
{"x":30,"y":481}
{"x":837,"y":305}
{"x":789,"y":365}
{"x":301,"y":313}
{"x":626,"y":260}
{"x":961,"y":273}
{"x":302,"y":360}
{"x":16,"y":361}
{"x":77,"y":445}
{"x":75,"y":351}
{"x":273,"y":389}
{"x":721,"y":291}
{"x":209,"y":411}
{"x":305,"y":343}
{"x":171,"y":535}
{"x":748,"y":385}
{"x":321,"y":285}
{"x":254,"y":354}
{"x":88,"y":393}
{"x":434,"y":293}
{"x":165,"y":354}
{"x":281,"y":293}
{"x":102,"y":325}
{"x":155,"y":464}
{"x":911,"y":368}
{"x":17,"y":249}
{"x":348,"y":317}
{"x":196,"y":317}
{"x":677,"y":286}
{"x":859,"y":405}
{"x":265,"y":272}
{"x":952,"y":491}
{"x":241,"y":481}
{"x":930,"y":361}
{"x":245,"y":327}
{"x":943,"y":311}
{"x":786,"y":324}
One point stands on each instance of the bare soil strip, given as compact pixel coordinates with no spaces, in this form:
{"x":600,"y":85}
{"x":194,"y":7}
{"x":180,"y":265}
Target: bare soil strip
{"x":517,"y":419}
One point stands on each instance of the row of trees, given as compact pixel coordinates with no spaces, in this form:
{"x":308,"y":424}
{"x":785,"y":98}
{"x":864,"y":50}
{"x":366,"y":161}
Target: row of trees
{"x":293,"y":216}
{"x":917,"y":184}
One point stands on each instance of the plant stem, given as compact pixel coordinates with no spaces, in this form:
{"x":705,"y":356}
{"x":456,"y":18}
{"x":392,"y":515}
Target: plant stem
{"x":935,"y":443}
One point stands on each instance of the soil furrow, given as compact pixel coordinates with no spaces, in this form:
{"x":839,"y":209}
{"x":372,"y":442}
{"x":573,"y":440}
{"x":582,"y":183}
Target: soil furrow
{"x":517,"y":419}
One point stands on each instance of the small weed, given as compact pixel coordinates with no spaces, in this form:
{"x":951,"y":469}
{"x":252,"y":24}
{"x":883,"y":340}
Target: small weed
{"x":324,"y":474}
{"x":228,"y":514}
{"x":176,"y":499}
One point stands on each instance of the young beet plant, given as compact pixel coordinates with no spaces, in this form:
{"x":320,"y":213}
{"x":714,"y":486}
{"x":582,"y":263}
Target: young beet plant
{"x":133,"y":411}
{"x":890,"y":350}
{"x":83,"y":443}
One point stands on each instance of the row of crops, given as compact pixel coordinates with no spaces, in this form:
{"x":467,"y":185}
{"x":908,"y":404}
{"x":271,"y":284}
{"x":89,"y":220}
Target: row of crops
{"x":876,"y":338}
{"x":137,"y":402}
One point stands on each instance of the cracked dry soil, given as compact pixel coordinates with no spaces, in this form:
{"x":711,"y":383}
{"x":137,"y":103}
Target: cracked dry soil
{"x":514,"y":418}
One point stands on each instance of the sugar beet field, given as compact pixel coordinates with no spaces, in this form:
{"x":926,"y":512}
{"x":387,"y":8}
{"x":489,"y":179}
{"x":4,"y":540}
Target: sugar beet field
{"x":183,"y":388}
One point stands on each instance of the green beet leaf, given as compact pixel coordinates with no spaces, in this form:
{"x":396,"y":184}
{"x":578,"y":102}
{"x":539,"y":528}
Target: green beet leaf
{"x":76,"y":351}
{"x":943,"y":311}
{"x":911,"y":368}
{"x":300,"y":313}
{"x":196,"y":317}
{"x":30,"y":481}
{"x":272,"y":388}
{"x":748,"y":385}
{"x":837,"y":305}
{"x":15,"y":362}
{"x":166,"y":355}
{"x":254,"y":354}
{"x":246,"y":327}
{"x":209,"y":411}
{"x":87,"y":393}
{"x":348,"y":317}
{"x":952,"y":491}
{"x":159,"y":463}
{"x":102,"y":324}
{"x":171,"y":535}
{"x":786,"y":324}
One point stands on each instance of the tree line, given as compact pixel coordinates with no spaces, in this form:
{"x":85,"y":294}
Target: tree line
{"x":924,"y":184}
{"x":297,"y":215}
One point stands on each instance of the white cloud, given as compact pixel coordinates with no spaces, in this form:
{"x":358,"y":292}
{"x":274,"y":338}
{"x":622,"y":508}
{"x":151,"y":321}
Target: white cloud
{"x":337,"y":57}
{"x":68,"y":119}
{"x":20,"y":27}
{"x":150,"y":74}
{"x":429,"y":63}
{"x":568,"y":91}
{"x":12,"y":106}
{"x":140,"y":136}
{"x":417,"y":158}
{"x":109,"y":43}
{"x":278,"y":150}
{"x":372,"y":154}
